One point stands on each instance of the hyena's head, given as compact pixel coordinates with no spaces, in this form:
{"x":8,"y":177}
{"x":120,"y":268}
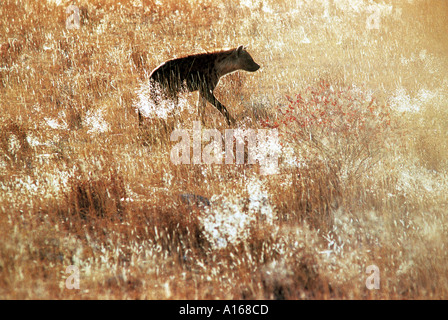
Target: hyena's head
{"x":244,"y":60}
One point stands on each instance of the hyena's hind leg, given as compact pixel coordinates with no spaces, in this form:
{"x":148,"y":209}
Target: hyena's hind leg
{"x":141,"y":118}
{"x":151,"y":98}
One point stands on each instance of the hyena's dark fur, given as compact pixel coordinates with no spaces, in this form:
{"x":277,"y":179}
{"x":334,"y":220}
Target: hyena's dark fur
{"x":201,"y":72}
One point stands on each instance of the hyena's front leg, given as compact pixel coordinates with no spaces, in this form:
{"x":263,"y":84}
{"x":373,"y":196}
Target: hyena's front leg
{"x":208,"y":95}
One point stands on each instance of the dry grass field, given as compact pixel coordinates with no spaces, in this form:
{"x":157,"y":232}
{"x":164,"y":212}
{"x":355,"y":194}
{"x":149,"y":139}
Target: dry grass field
{"x":358,"y":91}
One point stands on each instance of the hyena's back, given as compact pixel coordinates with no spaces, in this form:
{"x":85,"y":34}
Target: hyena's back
{"x":188,"y":72}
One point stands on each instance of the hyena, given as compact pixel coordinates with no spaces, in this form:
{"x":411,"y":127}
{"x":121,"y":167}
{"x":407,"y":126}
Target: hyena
{"x":201,"y":72}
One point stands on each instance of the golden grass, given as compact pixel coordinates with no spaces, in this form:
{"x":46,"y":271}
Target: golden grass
{"x":82,"y":185}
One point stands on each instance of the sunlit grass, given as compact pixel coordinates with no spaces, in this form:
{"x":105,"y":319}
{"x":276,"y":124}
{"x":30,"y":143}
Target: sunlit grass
{"x":81,"y":184}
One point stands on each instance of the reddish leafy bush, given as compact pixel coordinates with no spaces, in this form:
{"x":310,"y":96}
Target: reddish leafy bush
{"x":343,"y":128}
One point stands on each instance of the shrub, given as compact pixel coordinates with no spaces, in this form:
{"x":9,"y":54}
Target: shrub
{"x":344,"y":129}
{"x":337,"y":136}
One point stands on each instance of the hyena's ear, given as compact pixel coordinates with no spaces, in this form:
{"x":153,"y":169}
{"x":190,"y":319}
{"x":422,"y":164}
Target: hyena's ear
{"x":240,"y":50}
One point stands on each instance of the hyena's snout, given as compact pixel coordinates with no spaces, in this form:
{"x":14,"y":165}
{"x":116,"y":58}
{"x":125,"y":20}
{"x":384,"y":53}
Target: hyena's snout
{"x":246,"y":61}
{"x":250,"y":65}
{"x":253,"y":67}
